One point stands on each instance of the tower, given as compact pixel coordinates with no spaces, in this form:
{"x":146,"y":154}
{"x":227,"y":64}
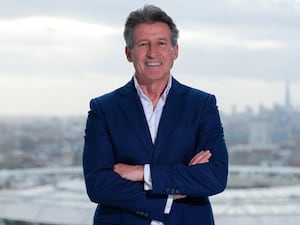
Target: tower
{"x":288,"y":106}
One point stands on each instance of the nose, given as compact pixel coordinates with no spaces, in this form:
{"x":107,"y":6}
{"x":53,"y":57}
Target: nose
{"x":152,"y":51}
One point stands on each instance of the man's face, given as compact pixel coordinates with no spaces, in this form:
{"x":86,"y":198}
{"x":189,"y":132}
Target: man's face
{"x":152,"y":54}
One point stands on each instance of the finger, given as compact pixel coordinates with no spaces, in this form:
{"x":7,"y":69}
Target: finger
{"x":176,"y":197}
{"x":193,"y":160}
{"x":118,"y":168}
{"x":201,"y":157}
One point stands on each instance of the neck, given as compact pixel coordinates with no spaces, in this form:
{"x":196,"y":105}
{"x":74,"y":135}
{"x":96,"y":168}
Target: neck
{"x":153,"y":90}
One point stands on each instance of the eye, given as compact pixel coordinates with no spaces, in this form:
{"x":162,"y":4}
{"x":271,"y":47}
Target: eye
{"x":143,"y":44}
{"x":162,"y":43}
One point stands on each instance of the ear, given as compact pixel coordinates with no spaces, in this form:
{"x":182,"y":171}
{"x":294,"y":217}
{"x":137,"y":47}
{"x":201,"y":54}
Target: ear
{"x":175,"y":52}
{"x":128,"y":54}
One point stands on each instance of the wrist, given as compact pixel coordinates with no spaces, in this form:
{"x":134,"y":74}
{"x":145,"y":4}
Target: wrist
{"x":140,"y":170}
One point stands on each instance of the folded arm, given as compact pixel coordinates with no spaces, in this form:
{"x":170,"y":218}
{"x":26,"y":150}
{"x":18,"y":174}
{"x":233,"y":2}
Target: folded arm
{"x":105,"y":186}
{"x":136,"y":172}
{"x":198,"y":178}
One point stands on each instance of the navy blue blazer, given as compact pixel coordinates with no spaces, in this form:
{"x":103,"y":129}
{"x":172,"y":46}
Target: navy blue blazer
{"x":117,"y":132}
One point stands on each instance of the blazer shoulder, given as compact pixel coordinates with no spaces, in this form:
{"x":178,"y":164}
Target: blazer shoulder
{"x":112,"y":96}
{"x":192,"y":92}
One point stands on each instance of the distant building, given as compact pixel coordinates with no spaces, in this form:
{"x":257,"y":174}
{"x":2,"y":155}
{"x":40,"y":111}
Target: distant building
{"x":288,"y":104}
{"x":259,"y":135}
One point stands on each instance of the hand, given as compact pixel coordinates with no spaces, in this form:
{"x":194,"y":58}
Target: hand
{"x":201,"y":157}
{"x":176,"y":197}
{"x":130,"y":172}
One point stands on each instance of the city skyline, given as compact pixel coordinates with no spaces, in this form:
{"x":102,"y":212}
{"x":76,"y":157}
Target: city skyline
{"x":81,"y":107}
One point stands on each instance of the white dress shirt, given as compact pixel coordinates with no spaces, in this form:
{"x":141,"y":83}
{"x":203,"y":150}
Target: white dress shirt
{"x":153,"y":117}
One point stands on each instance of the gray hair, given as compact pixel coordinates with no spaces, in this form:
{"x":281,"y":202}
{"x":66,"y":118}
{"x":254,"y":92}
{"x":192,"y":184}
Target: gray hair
{"x":148,"y":14}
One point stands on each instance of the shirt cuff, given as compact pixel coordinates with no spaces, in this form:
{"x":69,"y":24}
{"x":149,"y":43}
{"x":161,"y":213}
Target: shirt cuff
{"x":148,"y":187}
{"x":155,"y":222}
{"x":147,"y":178}
{"x":168,"y":204}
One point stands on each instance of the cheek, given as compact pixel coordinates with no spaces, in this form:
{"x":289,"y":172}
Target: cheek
{"x":137,"y":57}
{"x":170,"y":55}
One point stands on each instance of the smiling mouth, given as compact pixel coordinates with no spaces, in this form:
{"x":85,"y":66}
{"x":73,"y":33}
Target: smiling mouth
{"x":153,"y":64}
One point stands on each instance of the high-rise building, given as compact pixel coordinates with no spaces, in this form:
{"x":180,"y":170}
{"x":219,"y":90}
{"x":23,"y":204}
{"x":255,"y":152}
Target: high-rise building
{"x":288,"y":105}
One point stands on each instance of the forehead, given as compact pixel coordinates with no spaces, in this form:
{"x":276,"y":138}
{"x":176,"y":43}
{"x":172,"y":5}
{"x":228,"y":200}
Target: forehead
{"x":151,"y":31}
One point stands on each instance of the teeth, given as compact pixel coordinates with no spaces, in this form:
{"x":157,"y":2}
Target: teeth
{"x":153,"y":64}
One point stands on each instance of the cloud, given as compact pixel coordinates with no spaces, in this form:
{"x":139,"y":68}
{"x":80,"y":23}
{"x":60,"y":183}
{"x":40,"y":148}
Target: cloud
{"x":269,"y":5}
{"x":218,"y":40}
{"x":217,"y":52}
{"x":55,"y":43}
{"x":42,"y":44}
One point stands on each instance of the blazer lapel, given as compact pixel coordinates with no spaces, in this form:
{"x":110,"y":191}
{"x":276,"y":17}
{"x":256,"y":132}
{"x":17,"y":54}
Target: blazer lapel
{"x":133,"y":109}
{"x":171,"y":113}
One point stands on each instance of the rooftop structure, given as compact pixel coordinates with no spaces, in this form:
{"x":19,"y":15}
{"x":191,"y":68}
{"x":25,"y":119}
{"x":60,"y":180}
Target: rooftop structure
{"x":272,"y":196}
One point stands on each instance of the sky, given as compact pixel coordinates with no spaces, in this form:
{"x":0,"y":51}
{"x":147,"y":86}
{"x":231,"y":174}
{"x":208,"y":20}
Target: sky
{"x":56,"y":55}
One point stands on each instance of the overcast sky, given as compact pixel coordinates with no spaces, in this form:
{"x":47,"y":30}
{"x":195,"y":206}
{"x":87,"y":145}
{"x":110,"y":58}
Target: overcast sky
{"x":56,"y":55}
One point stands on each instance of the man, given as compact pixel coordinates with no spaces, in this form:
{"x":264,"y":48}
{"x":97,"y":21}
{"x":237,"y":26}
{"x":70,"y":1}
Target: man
{"x":154,"y":148}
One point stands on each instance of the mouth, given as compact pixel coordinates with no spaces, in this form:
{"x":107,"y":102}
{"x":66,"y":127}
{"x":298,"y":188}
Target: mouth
{"x":153,"y":64}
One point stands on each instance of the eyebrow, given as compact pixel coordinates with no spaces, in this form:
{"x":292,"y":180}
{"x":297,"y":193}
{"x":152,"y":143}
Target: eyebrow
{"x":159,"y":39}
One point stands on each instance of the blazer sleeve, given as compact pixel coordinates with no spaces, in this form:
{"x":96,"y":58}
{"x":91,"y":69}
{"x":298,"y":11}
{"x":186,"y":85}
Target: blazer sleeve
{"x":200,"y":180}
{"x":103,"y":185}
